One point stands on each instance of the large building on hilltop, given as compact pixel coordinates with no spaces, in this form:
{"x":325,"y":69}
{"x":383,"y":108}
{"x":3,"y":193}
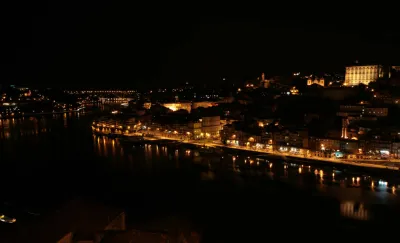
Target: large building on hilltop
{"x":364,"y":74}
{"x":356,"y":75}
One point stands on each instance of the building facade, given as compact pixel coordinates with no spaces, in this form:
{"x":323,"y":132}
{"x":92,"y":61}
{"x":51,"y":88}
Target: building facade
{"x":351,"y":113}
{"x":194,"y":129}
{"x":298,"y":139}
{"x":356,"y":75}
{"x":317,"y":81}
{"x":211,"y":126}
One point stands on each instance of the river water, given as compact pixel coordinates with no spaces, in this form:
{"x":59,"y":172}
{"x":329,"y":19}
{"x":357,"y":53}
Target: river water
{"x":46,"y":160}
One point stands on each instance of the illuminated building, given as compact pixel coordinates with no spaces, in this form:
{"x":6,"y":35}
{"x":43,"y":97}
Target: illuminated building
{"x":345,"y":124}
{"x":115,"y":100}
{"x":189,"y":105}
{"x":320,"y":81}
{"x":179,"y":106}
{"x":396,"y":68}
{"x":263,"y":122}
{"x":351,"y":113}
{"x":325,"y":143}
{"x":194,"y":129}
{"x":204,"y":104}
{"x":331,"y":145}
{"x":250,"y":85}
{"x":294,"y":91}
{"x":147,"y":105}
{"x":356,"y":75}
{"x":211,"y":126}
{"x":264,"y":82}
{"x":297,"y":139}
{"x":362,"y":110}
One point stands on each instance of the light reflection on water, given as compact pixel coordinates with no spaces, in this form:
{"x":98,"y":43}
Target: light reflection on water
{"x":354,"y":210}
{"x":327,"y":180}
{"x":356,"y":191}
{"x":15,"y":128}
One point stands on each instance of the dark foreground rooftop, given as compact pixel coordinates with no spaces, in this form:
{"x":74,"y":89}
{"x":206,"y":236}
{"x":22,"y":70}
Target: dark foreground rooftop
{"x":74,"y":216}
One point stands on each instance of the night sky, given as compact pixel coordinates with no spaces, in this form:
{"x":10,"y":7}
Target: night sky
{"x":119,"y":44}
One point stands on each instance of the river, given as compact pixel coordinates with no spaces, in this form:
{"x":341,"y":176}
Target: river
{"x":46,"y":160}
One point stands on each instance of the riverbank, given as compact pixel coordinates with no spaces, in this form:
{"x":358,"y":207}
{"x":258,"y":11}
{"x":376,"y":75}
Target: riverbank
{"x":285,"y":156}
{"x":392,"y":165}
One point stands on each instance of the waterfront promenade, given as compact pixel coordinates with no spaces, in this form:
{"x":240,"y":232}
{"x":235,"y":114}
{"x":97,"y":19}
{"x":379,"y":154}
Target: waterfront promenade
{"x":381,"y":164}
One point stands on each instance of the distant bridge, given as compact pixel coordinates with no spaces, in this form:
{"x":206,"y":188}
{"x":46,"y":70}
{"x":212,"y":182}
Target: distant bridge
{"x":102,"y":92}
{"x":115,"y":99}
{"x":105,"y":96}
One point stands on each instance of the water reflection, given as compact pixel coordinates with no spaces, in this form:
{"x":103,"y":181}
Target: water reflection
{"x":354,"y":210}
{"x":109,"y":148}
{"x":113,"y":147}
{"x":342,"y":184}
{"x":65,"y":120}
{"x":105,"y":147}
{"x":327,"y":180}
{"x":148,"y":152}
{"x":15,"y":128}
{"x":209,"y":175}
{"x":98,"y":146}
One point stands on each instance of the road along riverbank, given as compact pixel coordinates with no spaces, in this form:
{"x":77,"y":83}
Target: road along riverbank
{"x":374,"y":164}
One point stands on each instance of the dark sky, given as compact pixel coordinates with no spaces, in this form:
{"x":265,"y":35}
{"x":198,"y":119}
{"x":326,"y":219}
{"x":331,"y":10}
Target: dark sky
{"x":126,"y":44}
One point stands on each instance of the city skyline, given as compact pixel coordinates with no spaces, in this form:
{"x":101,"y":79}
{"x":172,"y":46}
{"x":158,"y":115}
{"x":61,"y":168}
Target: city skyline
{"x":164,"y":122}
